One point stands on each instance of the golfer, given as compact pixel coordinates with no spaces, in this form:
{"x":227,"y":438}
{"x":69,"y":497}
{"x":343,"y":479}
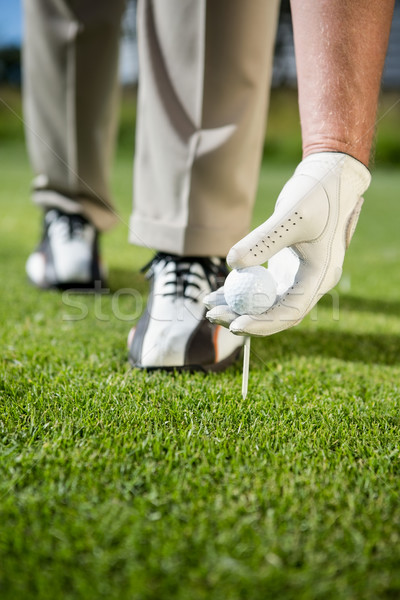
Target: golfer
{"x":205,"y":71}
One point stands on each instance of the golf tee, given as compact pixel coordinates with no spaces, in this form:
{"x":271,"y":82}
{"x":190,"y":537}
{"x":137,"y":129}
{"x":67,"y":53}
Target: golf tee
{"x":246,"y":362}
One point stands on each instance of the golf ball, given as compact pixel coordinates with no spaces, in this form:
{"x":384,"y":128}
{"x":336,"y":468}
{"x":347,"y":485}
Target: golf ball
{"x":250,"y":291}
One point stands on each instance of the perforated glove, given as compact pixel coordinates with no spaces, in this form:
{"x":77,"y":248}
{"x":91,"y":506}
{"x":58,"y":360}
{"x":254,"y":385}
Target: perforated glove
{"x":304,"y":242}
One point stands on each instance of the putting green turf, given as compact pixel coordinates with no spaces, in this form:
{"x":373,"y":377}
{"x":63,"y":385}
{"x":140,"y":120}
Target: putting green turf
{"x":123,"y":485}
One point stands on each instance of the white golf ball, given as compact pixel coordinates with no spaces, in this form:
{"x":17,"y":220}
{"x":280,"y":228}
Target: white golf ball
{"x":250,"y":291}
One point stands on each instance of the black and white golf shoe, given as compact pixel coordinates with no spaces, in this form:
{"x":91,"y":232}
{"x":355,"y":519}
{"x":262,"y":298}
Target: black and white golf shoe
{"x":173,"y":332}
{"x":67,"y":256}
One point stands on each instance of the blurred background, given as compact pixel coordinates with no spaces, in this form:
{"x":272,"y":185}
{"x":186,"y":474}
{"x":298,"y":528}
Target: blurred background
{"x":282,"y":141}
{"x":11,"y":32}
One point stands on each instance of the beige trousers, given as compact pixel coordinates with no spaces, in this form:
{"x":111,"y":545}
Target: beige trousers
{"x":205,"y":69}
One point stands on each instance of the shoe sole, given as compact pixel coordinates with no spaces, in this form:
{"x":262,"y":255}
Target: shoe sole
{"x":213,"y":368}
{"x":96,"y":285}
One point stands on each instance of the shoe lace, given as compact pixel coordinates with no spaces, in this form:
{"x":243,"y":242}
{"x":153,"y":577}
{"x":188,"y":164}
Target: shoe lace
{"x":65,"y":226}
{"x":182,"y":276}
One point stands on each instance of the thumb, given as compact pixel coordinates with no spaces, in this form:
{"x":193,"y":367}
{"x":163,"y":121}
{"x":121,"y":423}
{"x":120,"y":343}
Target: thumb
{"x":301,"y":213}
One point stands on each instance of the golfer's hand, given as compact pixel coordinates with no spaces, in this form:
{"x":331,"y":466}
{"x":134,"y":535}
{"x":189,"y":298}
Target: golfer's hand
{"x":304,"y":241}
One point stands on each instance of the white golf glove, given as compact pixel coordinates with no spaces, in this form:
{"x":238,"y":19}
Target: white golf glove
{"x":304,"y":241}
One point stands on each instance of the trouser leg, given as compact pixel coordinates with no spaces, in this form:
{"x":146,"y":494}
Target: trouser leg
{"x":70,"y":96}
{"x":205,"y":70}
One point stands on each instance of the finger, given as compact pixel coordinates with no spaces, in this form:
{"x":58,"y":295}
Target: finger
{"x":283,"y":267}
{"x":274,"y":320}
{"x":301,"y":214}
{"x":222,"y":315}
{"x":216,"y":298}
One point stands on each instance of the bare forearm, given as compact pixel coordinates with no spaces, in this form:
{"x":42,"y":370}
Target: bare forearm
{"x":340,"y":51}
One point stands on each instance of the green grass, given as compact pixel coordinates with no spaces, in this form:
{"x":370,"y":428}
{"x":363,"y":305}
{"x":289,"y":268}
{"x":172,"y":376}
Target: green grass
{"x":124,"y":485}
